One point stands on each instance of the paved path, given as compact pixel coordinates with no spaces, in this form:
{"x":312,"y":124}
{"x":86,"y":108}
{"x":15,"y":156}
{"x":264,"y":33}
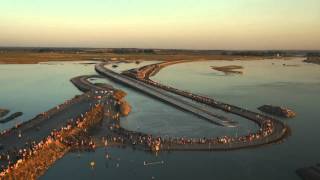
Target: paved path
{"x":83,"y":84}
{"x":165,"y":96}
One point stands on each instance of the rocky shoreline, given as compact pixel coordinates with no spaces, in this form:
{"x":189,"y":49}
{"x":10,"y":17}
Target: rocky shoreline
{"x":277,"y":111}
{"x":124,"y":106}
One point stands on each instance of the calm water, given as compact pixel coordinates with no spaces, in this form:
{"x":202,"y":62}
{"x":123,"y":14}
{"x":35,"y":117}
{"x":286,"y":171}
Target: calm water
{"x":35,"y":88}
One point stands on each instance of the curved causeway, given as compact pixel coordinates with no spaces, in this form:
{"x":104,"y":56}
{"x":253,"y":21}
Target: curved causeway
{"x":164,"y":96}
{"x":271,"y":130}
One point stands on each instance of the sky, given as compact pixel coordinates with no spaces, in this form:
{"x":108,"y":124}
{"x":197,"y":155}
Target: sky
{"x":178,"y":24}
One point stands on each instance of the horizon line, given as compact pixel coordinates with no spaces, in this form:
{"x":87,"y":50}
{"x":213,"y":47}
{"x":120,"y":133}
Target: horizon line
{"x":185,"y":49}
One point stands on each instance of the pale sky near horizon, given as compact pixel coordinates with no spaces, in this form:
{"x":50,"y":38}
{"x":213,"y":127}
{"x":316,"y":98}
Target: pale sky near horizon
{"x":186,"y":24}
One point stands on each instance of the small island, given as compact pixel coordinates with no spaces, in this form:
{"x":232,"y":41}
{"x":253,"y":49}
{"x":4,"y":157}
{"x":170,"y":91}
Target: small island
{"x":277,"y":111}
{"x":313,"y":59}
{"x":231,"y":69}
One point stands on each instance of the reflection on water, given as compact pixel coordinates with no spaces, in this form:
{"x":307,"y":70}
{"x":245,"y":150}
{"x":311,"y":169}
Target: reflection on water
{"x":35,"y":88}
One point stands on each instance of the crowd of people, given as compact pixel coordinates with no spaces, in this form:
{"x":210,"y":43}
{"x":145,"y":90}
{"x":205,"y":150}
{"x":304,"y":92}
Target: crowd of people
{"x":73,"y":135}
{"x":266,"y":124}
{"x":47,"y":114}
{"x":156,"y":143}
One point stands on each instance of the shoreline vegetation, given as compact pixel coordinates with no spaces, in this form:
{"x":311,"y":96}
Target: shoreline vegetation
{"x":124,"y":106}
{"x":38,"y":55}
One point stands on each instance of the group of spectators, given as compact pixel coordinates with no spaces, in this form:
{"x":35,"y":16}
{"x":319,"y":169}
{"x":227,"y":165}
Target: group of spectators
{"x":47,"y":114}
{"x":73,"y":135}
{"x":155,"y":143}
